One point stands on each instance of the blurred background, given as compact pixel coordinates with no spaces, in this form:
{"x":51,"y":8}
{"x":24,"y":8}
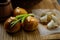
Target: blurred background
{"x":24,"y":3}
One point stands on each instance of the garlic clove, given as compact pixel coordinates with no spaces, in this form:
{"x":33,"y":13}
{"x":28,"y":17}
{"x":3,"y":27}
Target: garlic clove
{"x":43,"y":19}
{"x":54,"y":18}
{"x":52,"y":25}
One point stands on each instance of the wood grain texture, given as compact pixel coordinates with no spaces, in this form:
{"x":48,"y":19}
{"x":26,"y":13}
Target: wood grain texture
{"x":22,"y":35}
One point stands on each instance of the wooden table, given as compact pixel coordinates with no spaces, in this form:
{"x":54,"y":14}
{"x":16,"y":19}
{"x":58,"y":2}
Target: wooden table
{"x":22,"y":35}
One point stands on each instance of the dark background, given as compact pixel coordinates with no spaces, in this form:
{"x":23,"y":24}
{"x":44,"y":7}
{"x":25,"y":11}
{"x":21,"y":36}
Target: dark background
{"x":24,"y":3}
{"x":58,"y":1}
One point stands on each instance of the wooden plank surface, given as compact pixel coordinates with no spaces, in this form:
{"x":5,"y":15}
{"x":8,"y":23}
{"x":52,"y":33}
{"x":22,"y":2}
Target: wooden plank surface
{"x":22,"y":35}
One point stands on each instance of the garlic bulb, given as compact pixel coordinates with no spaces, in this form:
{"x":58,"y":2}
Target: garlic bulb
{"x":52,"y":25}
{"x":47,"y":17}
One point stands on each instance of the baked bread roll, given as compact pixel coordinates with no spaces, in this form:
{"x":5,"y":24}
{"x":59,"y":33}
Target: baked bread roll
{"x":30,"y":24}
{"x":8,"y":27}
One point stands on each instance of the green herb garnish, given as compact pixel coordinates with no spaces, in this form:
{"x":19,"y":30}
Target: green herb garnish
{"x":14,"y":22}
{"x":20,"y":18}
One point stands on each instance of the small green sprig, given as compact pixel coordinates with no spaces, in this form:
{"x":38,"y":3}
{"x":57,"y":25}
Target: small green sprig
{"x":20,"y":18}
{"x":14,"y":22}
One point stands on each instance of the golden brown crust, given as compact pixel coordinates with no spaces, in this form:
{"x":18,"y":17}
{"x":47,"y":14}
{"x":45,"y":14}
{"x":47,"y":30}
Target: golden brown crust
{"x":15,"y":28}
{"x":18,"y":11}
{"x":30,"y":24}
{"x":7,"y":25}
